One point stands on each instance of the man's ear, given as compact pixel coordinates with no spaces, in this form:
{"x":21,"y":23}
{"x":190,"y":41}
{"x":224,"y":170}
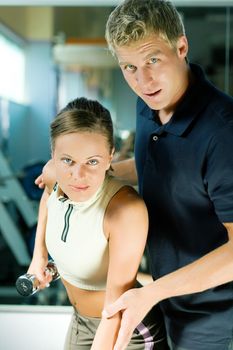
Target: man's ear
{"x":182,"y":46}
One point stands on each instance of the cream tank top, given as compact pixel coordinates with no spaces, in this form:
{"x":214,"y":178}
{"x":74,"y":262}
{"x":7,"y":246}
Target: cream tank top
{"x":75,"y":238}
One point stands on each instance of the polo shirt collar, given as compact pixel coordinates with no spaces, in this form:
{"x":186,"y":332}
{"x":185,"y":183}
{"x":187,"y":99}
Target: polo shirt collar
{"x":195,"y":99}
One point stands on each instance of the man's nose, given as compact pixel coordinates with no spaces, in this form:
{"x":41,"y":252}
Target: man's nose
{"x":144,"y":78}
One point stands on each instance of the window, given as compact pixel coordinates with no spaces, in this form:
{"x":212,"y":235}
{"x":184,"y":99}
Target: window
{"x":12,"y":70}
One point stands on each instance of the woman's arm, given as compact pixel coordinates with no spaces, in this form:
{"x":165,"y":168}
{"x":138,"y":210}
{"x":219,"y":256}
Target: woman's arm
{"x":127,"y":224}
{"x":40,"y":253}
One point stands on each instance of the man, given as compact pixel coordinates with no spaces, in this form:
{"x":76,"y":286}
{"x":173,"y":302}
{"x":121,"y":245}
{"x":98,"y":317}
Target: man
{"x":184,"y":161}
{"x":183,"y":153}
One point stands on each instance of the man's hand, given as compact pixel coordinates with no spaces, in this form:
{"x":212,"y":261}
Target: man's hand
{"x":134,"y":305}
{"x":48,"y":177}
{"x":39,"y":181}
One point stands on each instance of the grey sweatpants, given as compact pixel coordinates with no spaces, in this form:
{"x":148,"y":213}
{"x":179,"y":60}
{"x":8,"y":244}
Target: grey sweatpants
{"x":149,"y":334}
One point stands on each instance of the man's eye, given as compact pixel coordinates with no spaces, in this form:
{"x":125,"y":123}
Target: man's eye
{"x":130,"y":67}
{"x":93,"y":162}
{"x":67,"y":161}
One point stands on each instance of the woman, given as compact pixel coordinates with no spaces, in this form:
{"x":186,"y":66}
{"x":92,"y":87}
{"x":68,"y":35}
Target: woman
{"x":96,"y":229}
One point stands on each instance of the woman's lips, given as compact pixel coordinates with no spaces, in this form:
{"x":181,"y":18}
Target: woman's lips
{"x":79,"y":188}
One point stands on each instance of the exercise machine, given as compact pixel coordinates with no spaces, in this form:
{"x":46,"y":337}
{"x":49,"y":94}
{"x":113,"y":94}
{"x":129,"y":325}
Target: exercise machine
{"x":11,"y":190}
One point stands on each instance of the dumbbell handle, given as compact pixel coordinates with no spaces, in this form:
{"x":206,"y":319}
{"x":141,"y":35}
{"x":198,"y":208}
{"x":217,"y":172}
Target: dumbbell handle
{"x":28,"y":284}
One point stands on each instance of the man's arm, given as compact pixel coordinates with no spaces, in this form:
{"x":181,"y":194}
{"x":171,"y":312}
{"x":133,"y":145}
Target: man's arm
{"x":212,"y":270}
{"x":125,"y":170}
{"x":48,"y":176}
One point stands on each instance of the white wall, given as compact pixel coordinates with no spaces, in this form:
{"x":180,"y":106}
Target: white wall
{"x":33,"y":327}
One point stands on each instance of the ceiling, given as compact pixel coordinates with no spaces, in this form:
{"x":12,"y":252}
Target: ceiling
{"x":108,"y":2}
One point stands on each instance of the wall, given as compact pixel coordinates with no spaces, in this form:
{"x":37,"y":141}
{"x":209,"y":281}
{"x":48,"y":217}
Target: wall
{"x":206,"y":32}
{"x":15,"y":18}
{"x":29,"y":134}
{"x":18,"y":147}
{"x":39,"y":23}
{"x":41,"y":97}
{"x":74,"y":21}
{"x":34,"y":23}
{"x":124,"y":102}
{"x":33,"y":327}
{"x":15,"y":145}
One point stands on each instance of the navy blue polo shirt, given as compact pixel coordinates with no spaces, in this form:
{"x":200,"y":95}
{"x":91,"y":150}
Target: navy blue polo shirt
{"x":185,"y":171}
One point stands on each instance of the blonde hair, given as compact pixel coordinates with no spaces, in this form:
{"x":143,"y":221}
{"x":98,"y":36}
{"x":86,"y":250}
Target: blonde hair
{"x":134,"y":19}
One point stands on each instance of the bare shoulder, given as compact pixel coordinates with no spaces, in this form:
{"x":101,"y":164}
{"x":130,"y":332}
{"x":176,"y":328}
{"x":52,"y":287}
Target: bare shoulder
{"x":125,"y":202}
{"x":126,"y":217}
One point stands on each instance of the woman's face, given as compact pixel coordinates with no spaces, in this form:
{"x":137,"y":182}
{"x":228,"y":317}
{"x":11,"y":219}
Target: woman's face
{"x":81,"y":160}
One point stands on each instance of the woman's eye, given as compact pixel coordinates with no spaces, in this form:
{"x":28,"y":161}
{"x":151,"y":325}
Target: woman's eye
{"x":93,"y":162}
{"x":153,"y":60}
{"x":67,"y":161}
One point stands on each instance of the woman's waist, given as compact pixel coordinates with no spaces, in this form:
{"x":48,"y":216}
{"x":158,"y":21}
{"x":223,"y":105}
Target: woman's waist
{"x":87,"y":302}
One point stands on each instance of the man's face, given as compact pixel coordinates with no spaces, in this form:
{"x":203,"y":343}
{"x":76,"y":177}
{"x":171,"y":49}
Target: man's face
{"x":155,"y":71}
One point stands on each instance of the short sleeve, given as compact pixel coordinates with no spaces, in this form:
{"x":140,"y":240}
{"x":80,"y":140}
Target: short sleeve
{"x":219,"y":172}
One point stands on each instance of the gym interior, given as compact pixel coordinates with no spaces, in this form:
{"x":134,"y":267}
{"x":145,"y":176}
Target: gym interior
{"x":52,"y":52}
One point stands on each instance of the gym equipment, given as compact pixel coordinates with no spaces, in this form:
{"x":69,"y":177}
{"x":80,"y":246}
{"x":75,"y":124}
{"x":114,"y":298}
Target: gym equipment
{"x":12,"y":191}
{"x":28,"y":284}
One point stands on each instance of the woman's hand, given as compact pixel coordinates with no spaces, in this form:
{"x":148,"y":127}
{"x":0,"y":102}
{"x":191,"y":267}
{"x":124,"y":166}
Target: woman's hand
{"x":38,"y":268}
